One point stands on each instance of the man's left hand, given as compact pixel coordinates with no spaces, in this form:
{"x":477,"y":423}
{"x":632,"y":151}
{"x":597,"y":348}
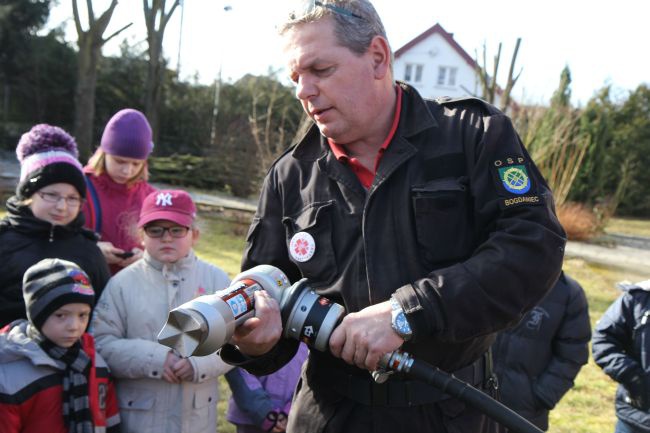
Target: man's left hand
{"x":364,"y":337}
{"x":257,"y":335}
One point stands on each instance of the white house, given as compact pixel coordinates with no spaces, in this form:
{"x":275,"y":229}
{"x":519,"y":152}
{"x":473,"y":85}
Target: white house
{"x":436,"y":65}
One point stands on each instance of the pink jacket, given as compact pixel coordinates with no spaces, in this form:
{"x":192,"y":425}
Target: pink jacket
{"x":115,"y":216}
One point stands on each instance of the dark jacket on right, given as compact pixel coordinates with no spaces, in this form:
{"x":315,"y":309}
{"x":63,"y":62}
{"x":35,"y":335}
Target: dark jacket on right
{"x":26,"y":240}
{"x":621,"y":347}
{"x":537,"y":360}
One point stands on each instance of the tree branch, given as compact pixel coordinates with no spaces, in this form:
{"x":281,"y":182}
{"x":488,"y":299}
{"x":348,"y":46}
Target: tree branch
{"x":91,"y":14}
{"x":505,"y":100}
{"x":118,"y":32}
{"x":77,"y":19}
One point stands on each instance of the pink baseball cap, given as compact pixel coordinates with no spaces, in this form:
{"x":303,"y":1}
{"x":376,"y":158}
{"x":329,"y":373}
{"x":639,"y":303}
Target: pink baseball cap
{"x":172,"y":205}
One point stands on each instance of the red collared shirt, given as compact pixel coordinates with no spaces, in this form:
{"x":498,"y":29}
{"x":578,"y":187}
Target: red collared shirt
{"x":366,"y":176}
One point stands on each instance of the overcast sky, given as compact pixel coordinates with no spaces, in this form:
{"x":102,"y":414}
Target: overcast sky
{"x":603,"y":42}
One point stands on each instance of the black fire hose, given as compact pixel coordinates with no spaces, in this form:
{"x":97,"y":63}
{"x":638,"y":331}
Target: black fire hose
{"x":464,"y":392}
{"x":311,"y":318}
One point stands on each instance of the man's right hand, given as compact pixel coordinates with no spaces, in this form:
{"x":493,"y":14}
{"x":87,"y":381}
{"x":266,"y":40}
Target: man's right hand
{"x":259,"y":334}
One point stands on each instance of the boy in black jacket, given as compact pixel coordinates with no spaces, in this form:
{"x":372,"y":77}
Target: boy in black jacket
{"x":537,"y":360}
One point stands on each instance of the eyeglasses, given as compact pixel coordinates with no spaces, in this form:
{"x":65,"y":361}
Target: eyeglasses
{"x":52,"y":197}
{"x":308,"y":6}
{"x":159,"y":231}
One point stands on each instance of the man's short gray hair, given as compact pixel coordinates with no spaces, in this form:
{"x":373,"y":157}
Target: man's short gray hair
{"x":351,"y":31}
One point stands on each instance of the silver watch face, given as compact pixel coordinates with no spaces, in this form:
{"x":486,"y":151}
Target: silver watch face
{"x":402,"y":325}
{"x":399,"y":322}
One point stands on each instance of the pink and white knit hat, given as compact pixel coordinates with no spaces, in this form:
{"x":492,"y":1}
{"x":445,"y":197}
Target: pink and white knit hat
{"x":48,"y":155}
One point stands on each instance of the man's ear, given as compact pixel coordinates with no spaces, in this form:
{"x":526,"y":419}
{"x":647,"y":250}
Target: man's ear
{"x":379,"y":50}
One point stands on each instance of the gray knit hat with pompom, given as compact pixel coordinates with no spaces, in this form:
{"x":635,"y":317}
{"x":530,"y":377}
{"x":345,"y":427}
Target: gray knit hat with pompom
{"x":48,"y":155}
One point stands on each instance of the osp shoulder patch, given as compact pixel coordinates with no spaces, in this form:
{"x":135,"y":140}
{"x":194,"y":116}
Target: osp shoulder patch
{"x":515,"y":179}
{"x":512,"y":177}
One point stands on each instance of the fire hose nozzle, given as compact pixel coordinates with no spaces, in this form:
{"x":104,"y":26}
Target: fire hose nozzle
{"x":203,"y":325}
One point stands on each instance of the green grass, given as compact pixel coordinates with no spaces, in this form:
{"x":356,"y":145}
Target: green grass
{"x":221,"y":243}
{"x":587,"y":408}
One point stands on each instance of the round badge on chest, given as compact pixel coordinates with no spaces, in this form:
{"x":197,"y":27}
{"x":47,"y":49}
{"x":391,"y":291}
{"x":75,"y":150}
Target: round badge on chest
{"x":302,"y":247}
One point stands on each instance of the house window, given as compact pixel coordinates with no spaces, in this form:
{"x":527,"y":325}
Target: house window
{"x":442,"y":75}
{"x":452,"y":76}
{"x":413,"y":73}
{"x":447,"y":76}
{"x":418,"y":73}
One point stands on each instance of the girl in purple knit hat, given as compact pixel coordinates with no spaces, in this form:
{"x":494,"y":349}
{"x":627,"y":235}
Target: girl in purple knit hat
{"x":43,"y":218}
{"x":117,"y":177}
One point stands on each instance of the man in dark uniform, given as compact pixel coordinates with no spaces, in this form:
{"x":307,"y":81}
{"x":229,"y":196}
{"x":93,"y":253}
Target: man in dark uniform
{"x":427,"y":220}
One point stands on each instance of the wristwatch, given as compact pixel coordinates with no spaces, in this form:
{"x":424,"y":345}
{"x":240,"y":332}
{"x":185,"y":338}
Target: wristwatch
{"x":398,"y":320}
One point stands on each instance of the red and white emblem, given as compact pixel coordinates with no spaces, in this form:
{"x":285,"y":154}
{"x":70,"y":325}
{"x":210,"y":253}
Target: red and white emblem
{"x":302,"y":247}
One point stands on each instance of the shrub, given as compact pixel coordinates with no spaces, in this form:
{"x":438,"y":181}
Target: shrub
{"x":579,"y":221}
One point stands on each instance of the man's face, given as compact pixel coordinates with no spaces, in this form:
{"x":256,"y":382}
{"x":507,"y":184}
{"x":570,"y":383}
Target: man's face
{"x":335,"y":86}
{"x":66,"y":325}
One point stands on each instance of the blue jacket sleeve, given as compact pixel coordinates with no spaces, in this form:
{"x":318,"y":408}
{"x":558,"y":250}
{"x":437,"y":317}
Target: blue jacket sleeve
{"x":612,"y":341}
{"x":249,"y":395}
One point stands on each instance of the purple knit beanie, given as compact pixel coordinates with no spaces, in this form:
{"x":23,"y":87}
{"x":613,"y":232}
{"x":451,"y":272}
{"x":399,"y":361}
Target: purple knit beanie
{"x":48,"y":155}
{"x":127,"y":134}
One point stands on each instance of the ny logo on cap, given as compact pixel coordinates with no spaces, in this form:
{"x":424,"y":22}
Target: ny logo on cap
{"x":164,"y":199}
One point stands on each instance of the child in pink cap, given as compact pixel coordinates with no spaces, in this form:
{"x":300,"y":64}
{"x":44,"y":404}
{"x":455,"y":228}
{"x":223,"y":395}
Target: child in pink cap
{"x":117,"y":184}
{"x":158,"y":391}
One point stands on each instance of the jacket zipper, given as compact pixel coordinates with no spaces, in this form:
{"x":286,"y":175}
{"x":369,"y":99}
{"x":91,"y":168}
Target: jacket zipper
{"x":52,"y":233}
{"x":644,"y":345}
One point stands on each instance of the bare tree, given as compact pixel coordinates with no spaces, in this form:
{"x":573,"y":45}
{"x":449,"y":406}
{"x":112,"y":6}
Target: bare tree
{"x":156,"y":19}
{"x":90,"y":48}
{"x":489,"y":82}
{"x":270,"y":140}
{"x":273,"y":128}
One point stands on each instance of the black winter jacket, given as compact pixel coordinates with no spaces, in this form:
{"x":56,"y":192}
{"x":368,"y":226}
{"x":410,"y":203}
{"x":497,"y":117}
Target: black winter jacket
{"x":537,"y":360}
{"x":464,"y":256}
{"x":621,"y":347}
{"x":25,"y":240}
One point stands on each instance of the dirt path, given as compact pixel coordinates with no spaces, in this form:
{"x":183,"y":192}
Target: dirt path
{"x":618,"y":256}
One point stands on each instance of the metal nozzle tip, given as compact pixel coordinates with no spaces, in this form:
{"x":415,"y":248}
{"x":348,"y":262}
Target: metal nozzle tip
{"x":182,"y":332}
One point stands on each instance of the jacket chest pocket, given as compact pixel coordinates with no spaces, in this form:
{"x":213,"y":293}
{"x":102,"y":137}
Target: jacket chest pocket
{"x":442,"y":221}
{"x":309,"y":241}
